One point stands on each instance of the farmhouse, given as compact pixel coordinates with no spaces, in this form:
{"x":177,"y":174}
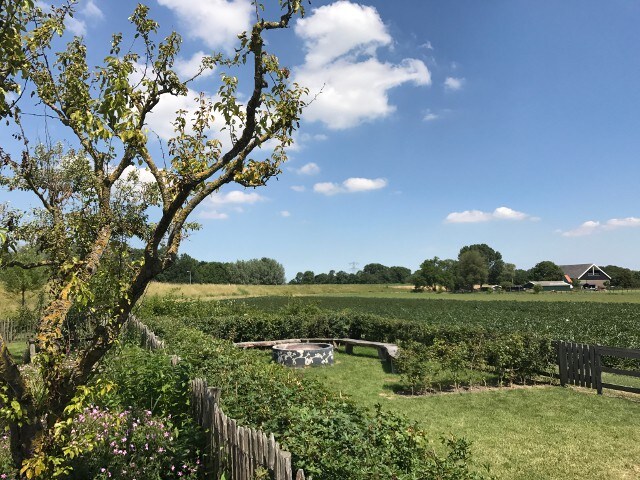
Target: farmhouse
{"x":551,"y":286}
{"x":589,"y":274}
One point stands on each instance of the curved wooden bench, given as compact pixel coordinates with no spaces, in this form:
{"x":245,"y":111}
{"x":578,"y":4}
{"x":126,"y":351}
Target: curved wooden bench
{"x":386,"y":351}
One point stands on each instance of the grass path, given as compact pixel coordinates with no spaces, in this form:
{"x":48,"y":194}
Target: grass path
{"x":540,"y":432}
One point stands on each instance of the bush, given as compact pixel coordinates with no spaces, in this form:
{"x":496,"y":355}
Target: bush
{"x":127,"y":446}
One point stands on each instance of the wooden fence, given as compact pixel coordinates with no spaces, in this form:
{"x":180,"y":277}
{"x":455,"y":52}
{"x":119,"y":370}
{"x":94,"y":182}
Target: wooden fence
{"x":13,"y":329}
{"x":581,"y":365}
{"x":239,"y":452}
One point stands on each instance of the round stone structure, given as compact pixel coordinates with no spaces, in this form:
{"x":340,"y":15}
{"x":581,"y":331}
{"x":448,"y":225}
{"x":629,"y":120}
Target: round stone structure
{"x":303,"y":354}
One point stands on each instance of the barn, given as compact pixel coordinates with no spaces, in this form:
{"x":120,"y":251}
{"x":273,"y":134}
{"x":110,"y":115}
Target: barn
{"x":589,"y":274}
{"x":550,"y":286}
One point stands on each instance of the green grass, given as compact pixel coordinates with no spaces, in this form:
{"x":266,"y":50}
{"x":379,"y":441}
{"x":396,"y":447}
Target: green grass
{"x":542,"y":432}
{"x":216,"y":292}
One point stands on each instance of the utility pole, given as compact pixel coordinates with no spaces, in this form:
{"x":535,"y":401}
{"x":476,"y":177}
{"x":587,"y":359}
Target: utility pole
{"x":354,"y":267}
{"x":189,"y":272}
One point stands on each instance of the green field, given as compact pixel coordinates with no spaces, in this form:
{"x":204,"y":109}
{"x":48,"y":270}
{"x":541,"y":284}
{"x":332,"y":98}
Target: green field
{"x":217,"y":292}
{"x":615,"y":324}
{"x":542,"y":432}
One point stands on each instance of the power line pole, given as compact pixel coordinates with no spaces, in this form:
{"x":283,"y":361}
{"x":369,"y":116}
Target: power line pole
{"x":354,"y":266}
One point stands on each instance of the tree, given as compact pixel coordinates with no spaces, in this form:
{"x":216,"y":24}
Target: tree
{"x":493,"y":260}
{"x":472,"y":269}
{"x":436,"y":272}
{"x":622,"y":277}
{"x":20,"y":281}
{"x":93,"y":202}
{"x":546,"y":270}
{"x":399,"y":274}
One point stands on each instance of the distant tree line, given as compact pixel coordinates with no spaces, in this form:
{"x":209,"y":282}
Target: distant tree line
{"x":263,"y":271}
{"x":370,"y":274}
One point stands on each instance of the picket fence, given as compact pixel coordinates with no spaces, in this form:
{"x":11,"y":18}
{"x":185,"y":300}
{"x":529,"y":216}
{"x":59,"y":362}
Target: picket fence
{"x":235,"y":451}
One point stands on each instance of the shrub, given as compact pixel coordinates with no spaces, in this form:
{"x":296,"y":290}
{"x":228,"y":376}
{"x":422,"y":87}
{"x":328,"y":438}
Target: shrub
{"x":127,"y":446}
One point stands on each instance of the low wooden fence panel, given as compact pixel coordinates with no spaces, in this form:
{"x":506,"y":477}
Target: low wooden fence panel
{"x":581,"y":365}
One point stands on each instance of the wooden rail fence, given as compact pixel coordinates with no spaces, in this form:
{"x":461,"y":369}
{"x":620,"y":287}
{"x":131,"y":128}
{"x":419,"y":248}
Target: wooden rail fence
{"x":581,"y":365}
{"x":239,"y":452}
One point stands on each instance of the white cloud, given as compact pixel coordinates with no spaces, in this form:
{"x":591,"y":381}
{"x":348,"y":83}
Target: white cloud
{"x":215,"y":22}
{"x":236,"y":197}
{"x":477,"y":216}
{"x":143,"y":175}
{"x":350,"y":185}
{"x":593,"y":226}
{"x":622,"y":222}
{"x":213,"y":215}
{"x":214,"y":207}
{"x":341,"y":28}
{"x":76,"y":26}
{"x":427,"y":45}
{"x":298,"y":188}
{"x":452,"y":83}
{"x":285,"y":213}
{"x":187,"y":68}
{"x":91,"y":10}
{"x":506,"y":213}
{"x":430,"y":116}
{"x":364,"y":184}
{"x":309,"y":169}
{"x":341,"y":40}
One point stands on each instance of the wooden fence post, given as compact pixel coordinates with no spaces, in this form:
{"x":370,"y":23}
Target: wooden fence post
{"x":598,"y":365}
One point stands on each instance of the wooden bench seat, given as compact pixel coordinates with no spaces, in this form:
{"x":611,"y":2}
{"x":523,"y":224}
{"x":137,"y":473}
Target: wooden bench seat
{"x":386,"y":351}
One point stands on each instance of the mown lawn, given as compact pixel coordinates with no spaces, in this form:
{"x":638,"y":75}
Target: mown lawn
{"x":542,"y":432}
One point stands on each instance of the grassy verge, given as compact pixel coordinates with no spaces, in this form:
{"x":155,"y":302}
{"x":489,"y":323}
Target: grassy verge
{"x":523,"y":433}
{"x":210,"y":292}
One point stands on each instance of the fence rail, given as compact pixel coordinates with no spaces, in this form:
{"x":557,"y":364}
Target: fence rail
{"x":234,"y":450}
{"x":581,"y":365}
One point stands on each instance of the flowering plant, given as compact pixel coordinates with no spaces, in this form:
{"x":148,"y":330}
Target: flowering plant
{"x":124,"y":445}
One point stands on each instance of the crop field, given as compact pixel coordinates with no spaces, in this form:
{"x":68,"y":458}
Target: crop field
{"x":217,"y":292}
{"x":615,"y":324}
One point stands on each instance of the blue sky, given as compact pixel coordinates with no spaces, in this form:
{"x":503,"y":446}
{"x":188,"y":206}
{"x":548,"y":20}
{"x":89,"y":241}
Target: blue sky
{"x":440,"y":124}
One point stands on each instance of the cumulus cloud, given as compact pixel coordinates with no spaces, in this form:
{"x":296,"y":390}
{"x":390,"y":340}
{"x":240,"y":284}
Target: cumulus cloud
{"x":285,"y":213}
{"x":309,"y":169}
{"x":218,"y":204}
{"x":593,"y":226}
{"x":91,"y":10}
{"x":350,"y":185}
{"x":215,"y":22}
{"x":453,"y":84}
{"x":298,"y":188}
{"x":478,"y":216}
{"x":236,"y":197}
{"x":78,"y":24}
{"x":341,"y":40}
{"x":187,"y":68}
